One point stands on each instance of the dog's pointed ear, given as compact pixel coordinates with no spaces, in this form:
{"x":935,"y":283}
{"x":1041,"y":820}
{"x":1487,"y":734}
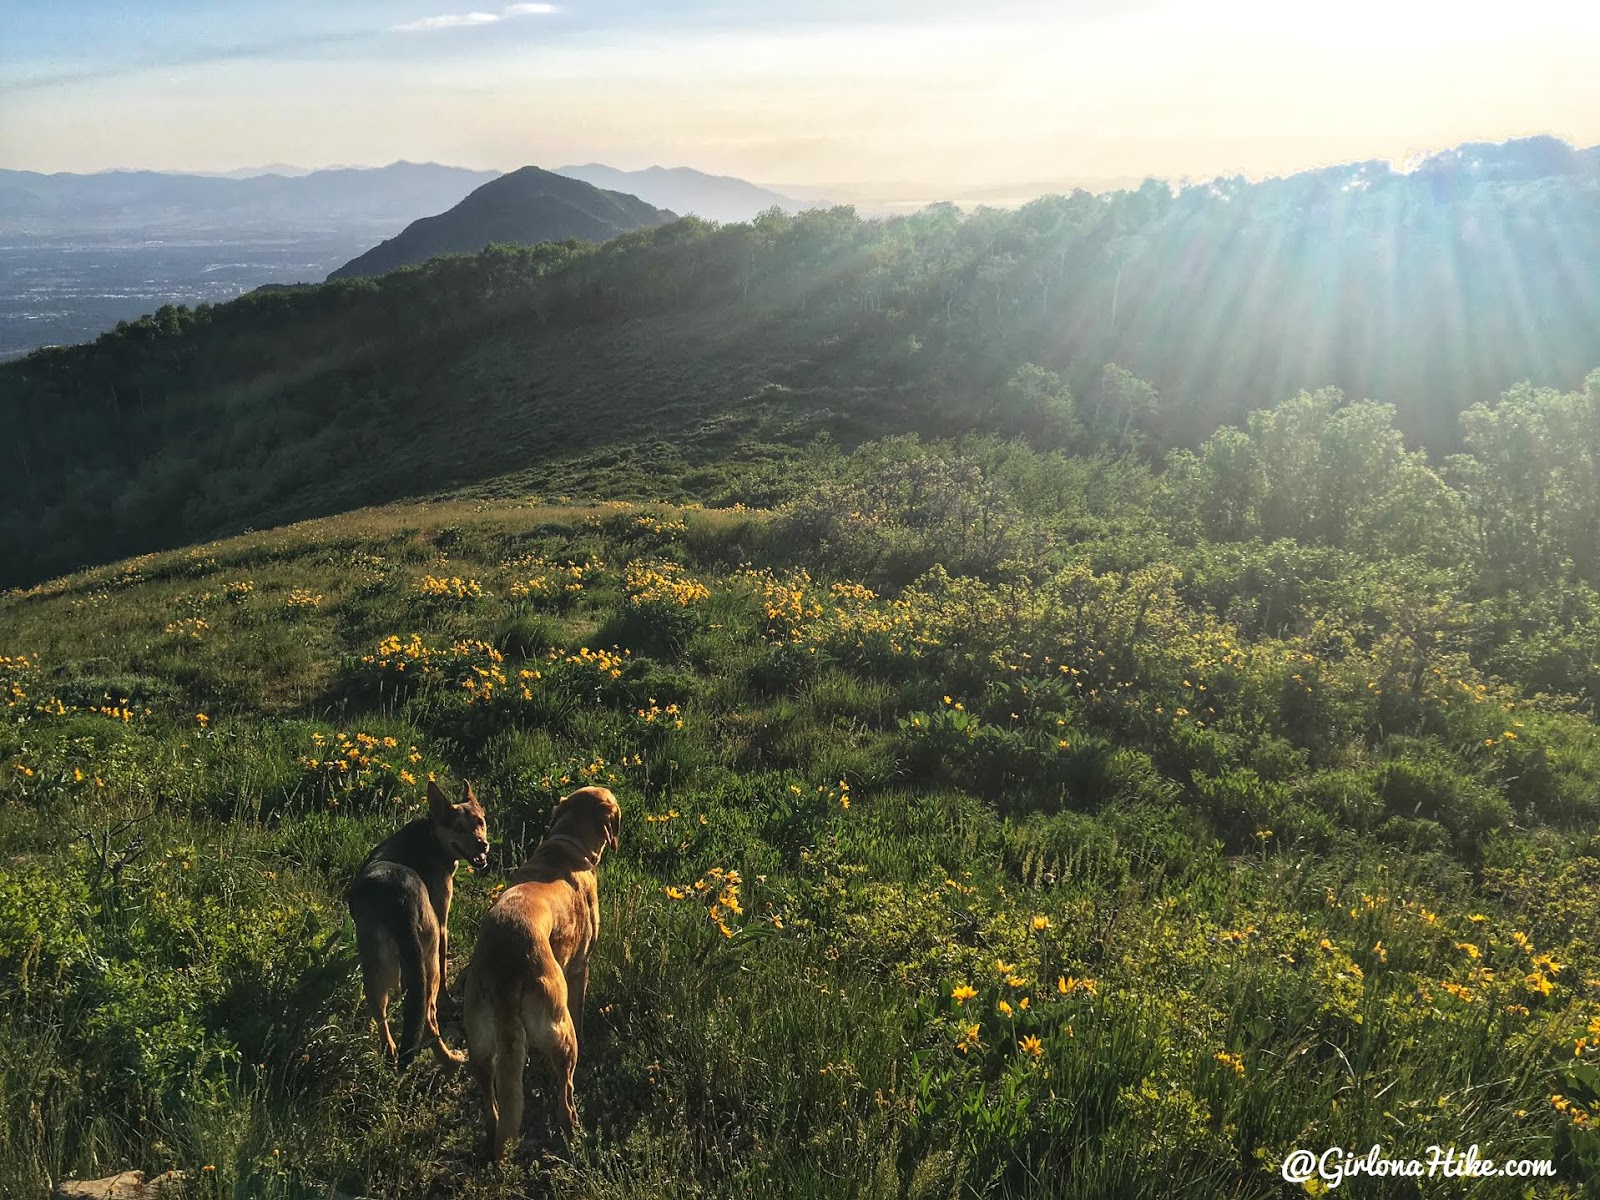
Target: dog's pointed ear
{"x":468,"y":796}
{"x":439,"y":805}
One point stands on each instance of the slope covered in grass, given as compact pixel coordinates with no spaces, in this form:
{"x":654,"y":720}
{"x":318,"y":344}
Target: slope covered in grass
{"x":989,"y":827}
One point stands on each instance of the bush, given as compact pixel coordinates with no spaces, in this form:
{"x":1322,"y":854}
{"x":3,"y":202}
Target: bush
{"x":1419,"y":786}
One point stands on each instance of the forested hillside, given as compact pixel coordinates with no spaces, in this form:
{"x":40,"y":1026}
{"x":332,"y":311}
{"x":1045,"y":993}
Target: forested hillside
{"x":627,"y":366}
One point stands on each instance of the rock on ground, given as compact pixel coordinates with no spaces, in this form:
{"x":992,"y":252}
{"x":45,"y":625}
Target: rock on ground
{"x":126,"y":1185}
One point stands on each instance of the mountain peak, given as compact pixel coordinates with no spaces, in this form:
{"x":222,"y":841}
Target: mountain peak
{"x":525,"y":206}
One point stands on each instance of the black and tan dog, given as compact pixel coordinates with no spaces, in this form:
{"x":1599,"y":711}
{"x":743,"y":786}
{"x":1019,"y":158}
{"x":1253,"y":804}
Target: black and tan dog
{"x":400,"y":901}
{"x":530,"y":969}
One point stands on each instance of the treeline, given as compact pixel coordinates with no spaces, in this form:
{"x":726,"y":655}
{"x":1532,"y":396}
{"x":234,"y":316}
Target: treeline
{"x":1433,"y":290}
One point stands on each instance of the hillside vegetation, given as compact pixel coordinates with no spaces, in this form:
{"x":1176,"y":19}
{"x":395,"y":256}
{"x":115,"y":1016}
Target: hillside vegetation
{"x":995,"y":822}
{"x":632,"y":368}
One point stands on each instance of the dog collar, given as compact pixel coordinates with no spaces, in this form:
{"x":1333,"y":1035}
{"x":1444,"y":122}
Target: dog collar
{"x":590,"y":860}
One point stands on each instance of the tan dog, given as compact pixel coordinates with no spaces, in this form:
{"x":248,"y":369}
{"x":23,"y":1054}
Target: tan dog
{"x":400,"y":901}
{"x":529,"y":971}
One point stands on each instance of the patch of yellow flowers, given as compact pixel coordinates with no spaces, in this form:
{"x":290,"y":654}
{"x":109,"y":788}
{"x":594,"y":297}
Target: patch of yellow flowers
{"x":413,"y":654}
{"x":352,"y":760}
{"x":548,"y":579}
{"x":608,"y":664}
{"x":1010,"y":1002}
{"x":663,"y":583}
{"x":719,"y":889}
{"x":595,"y":770}
{"x":660,"y":526}
{"x":475,"y":666}
{"x":670,"y":715}
{"x":13,"y":670}
{"x":452,"y":587}
{"x":844,"y":616}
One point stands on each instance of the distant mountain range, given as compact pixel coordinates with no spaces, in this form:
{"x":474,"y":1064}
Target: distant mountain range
{"x":527,"y":206}
{"x":120,"y":204}
{"x":282,"y":200}
{"x":288,"y":170}
{"x":684,"y":190}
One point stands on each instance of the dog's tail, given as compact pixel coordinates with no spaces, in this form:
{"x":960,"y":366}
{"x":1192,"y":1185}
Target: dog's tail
{"x":478,"y":1014}
{"x":497,"y":1051}
{"x":414,"y":1010}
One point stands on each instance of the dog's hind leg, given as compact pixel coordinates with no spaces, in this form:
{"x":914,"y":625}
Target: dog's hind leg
{"x":577,"y":974}
{"x":432,"y":980}
{"x":380,"y":975}
{"x":420,"y":971}
{"x":548,"y":1022}
{"x":559,"y":1041}
{"x":481,"y":1065}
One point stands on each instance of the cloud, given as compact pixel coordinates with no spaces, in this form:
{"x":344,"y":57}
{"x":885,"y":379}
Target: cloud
{"x":456,"y":20}
{"x":447,"y":21}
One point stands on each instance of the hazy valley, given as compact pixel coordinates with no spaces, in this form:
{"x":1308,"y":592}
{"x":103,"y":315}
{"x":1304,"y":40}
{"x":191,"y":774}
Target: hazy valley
{"x":57,"y":293}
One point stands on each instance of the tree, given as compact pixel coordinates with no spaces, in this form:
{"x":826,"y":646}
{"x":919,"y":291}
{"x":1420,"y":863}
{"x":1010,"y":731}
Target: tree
{"x":1036,"y":404}
{"x":1126,"y":409}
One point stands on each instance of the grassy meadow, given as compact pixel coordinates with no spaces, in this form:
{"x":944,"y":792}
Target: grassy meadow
{"x":1010,"y":852}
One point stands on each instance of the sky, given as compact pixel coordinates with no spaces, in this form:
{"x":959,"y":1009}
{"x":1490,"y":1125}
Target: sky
{"x":878,"y":100}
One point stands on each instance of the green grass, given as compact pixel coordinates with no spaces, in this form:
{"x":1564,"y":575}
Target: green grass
{"x":1347,"y":902}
